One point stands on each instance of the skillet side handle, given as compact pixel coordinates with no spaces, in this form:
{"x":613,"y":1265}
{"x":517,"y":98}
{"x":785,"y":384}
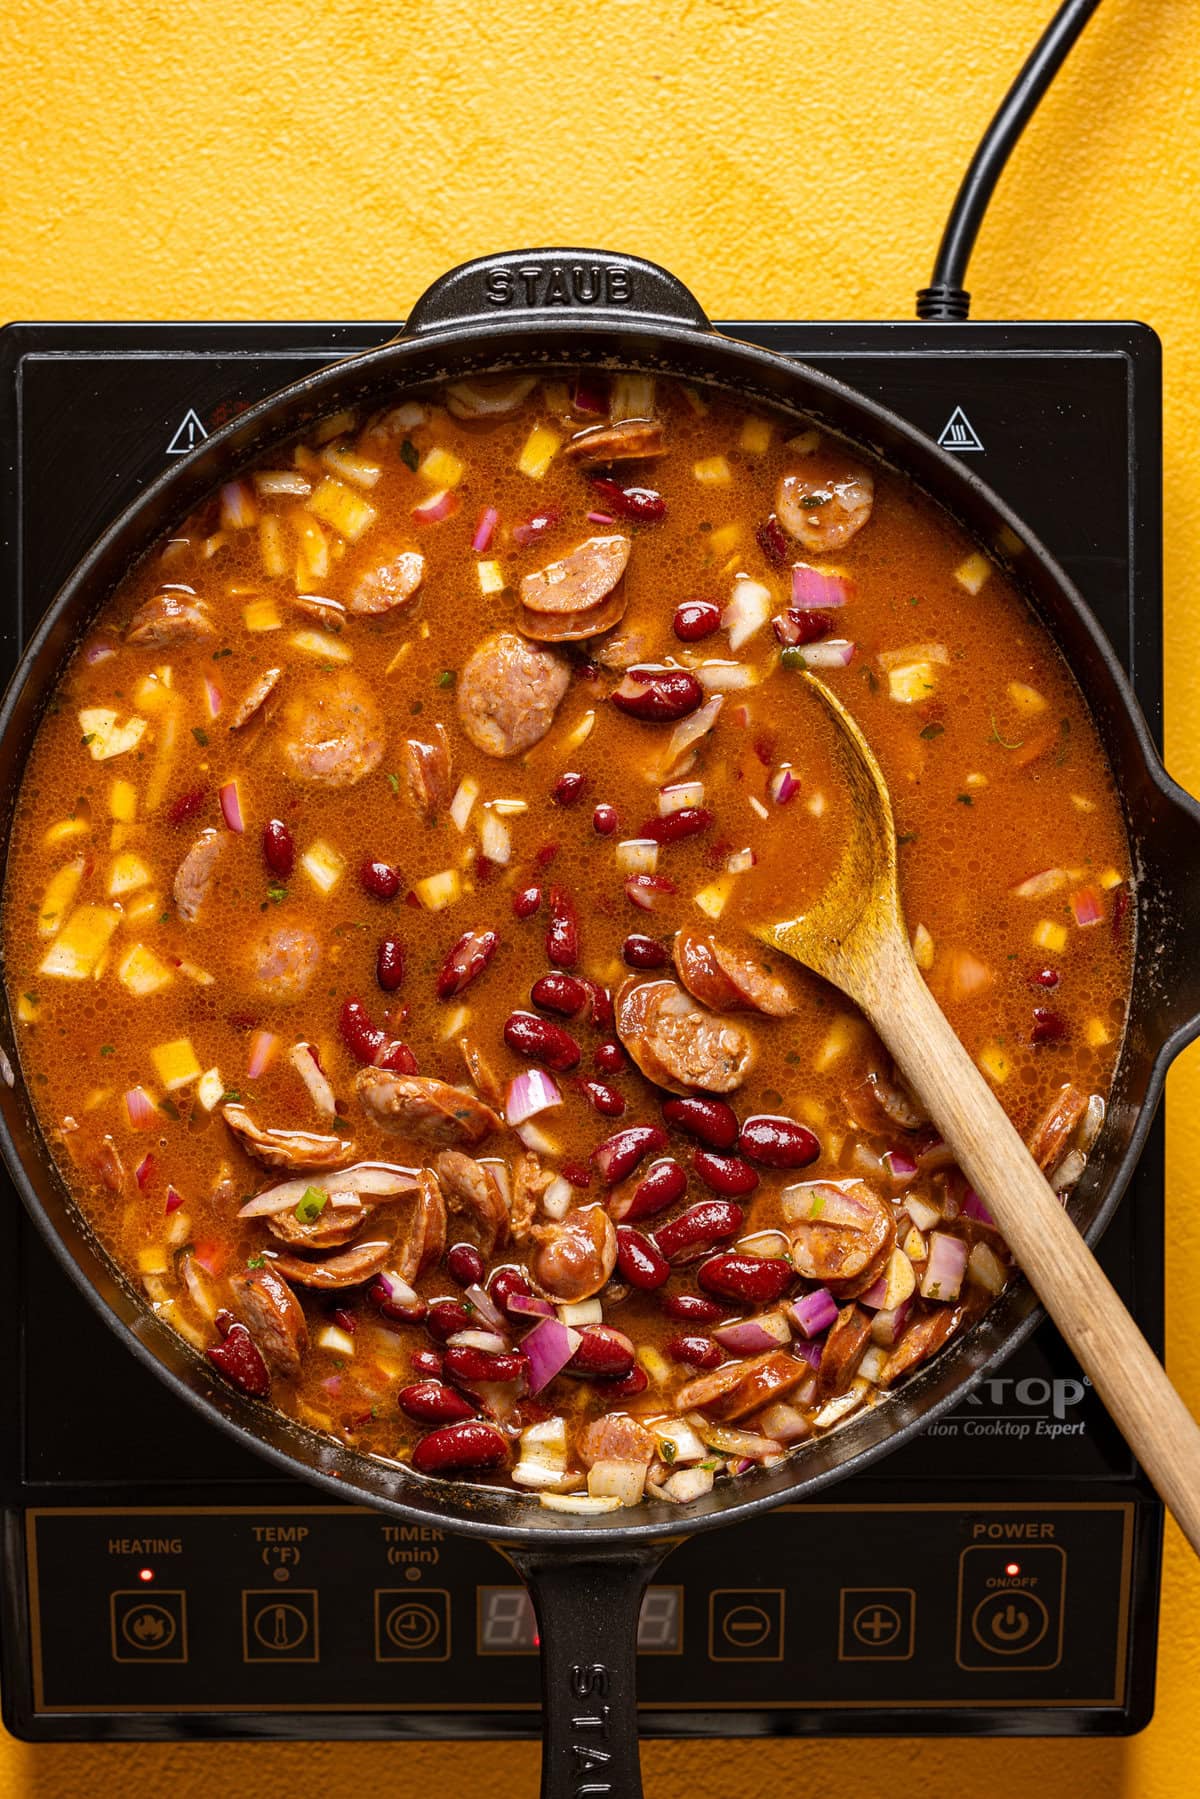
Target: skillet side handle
{"x":587,"y":1612}
{"x":553,"y":283}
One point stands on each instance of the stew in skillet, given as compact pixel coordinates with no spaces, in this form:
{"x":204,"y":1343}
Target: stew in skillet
{"x":376,"y":928}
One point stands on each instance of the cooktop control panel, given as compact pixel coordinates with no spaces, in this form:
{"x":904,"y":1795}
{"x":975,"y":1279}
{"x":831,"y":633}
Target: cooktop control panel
{"x":999,"y":1574}
{"x":818,"y":1608}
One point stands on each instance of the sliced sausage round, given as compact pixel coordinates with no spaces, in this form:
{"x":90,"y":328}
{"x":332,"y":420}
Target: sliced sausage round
{"x":274,"y":1317}
{"x":333,"y":1226}
{"x":427,"y":1110}
{"x":846,"y":1254}
{"x":508,"y":693}
{"x":472,"y":1190}
{"x":424,"y":1241}
{"x":573,"y":627}
{"x":167,"y":620}
{"x":578,"y":581}
{"x":350,"y":1269}
{"x":629,"y":440}
{"x":287,"y":1149}
{"x":677,"y":1044}
{"x":427,"y":773}
{"x":729,"y":979}
{"x":193,"y":878}
{"x":575,"y":1257}
{"x":391,"y":584}
{"x":253,"y":701}
{"x":283,"y":961}
{"x":333,"y":734}
{"x":843,"y":1351}
{"x":825,"y":502}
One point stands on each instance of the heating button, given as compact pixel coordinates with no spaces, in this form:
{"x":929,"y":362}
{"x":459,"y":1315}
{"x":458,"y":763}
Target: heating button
{"x":148,"y":1629}
{"x":1010,"y":1607}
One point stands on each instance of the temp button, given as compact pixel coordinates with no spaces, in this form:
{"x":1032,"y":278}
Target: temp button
{"x":1010,"y":1607}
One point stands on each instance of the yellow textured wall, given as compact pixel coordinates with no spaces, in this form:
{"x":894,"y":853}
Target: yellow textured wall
{"x":197,"y":159}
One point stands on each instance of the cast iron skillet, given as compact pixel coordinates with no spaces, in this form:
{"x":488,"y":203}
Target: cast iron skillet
{"x":549,"y":308}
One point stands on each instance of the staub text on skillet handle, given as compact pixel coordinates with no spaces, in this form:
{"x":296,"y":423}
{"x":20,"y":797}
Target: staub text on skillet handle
{"x":584,"y":284}
{"x":587,"y":1612}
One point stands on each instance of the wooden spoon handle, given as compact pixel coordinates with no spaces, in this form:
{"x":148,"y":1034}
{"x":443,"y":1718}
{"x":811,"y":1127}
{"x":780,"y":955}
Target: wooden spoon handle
{"x":1053,"y":1256}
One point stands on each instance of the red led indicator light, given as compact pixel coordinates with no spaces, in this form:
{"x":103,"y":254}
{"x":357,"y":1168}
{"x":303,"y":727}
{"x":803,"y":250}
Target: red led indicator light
{"x":1012,"y":1568}
{"x":145,"y":1573}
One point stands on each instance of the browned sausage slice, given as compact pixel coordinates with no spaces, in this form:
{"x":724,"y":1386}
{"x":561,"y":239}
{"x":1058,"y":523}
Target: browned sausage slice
{"x":169,"y":619}
{"x":621,"y":650}
{"x":631,"y":440}
{"x":193,"y":877}
{"x":349,"y":1269}
{"x":844,"y":1348}
{"x":508,"y":693}
{"x":257,"y":697}
{"x":334,"y":1226}
{"x":573,"y":627}
{"x":580,"y":580}
{"x":109,"y":1166}
{"x":877,"y":1103}
{"x":729,"y":979}
{"x":482,"y":1073}
{"x":677,"y":1044}
{"x":529,"y":1182}
{"x":473,"y":1190}
{"x":427,"y":1110}
{"x":921,"y":1340}
{"x":287,"y":1149}
{"x":574,"y":1257}
{"x":1056,"y":1125}
{"x":391,"y":584}
{"x":614,"y":1438}
{"x":844,"y":1238}
{"x":427,"y":773}
{"x":425,"y":1240}
{"x":710,"y":1390}
{"x":768,"y":1378}
{"x":333,"y":734}
{"x":274,"y":1317}
{"x":825,"y":502}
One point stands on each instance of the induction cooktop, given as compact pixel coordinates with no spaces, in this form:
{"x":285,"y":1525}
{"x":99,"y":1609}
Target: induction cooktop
{"x":998,"y":1574}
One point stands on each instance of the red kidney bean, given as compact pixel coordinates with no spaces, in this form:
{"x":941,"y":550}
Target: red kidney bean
{"x":427,"y":1362}
{"x":569,"y":788}
{"x":693,"y":1308}
{"x":754,"y":1280}
{"x":240,"y":1361}
{"x":530,"y":529}
{"x":689,"y":821}
{"x":640,"y":1260}
{"x":695,"y":619}
{"x":546,"y":855}
{"x":658,"y":695}
{"x":635,"y":1382}
{"x":542,"y":1041}
{"x":429,"y":1402}
{"x":772,"y":542}
{"x":526,"y":901}
{"x":345,"y":1320}
{"x":727,"y":1175}
{"x":397,"y":1058}
{"x":394,"y":1311}
{"x":446,"y":1317}
{"x":279,"y":848}
{"x":798,"y":625}
{"x":647,"y":890}
{"x":562,"y":933}
{"x":577,"y":1173}
{"x":640,"y":951}
{"x":602,"y":1005}
{"x":459,"y":1447}
{"x":604,"y":820}
{"x":363,"y":1039}
{"x":663,"y":1184}
{"x":379,"y":879}
{"x":603,"y":1352}
{"x":1044,"y":977}
{"x":561,"y":993}
{"x":700,"y":1352}
{"x":620,"y":1154}
{"x":466,"y":962}
{"x":711,"y":1120}
{"x":699,"y":1228}
{"x":389,"y":964}
{"x":465,"y":1264}
{"x":1048,"y":1027}
{"x":188,"y":805}
{"x":605,"y":1099}
{"x":462,"y":1362}
{"x":777,"y":1142}
{"x":641,"y":503}
{"x":609,"y":1057}
{"x":507,"y":1284}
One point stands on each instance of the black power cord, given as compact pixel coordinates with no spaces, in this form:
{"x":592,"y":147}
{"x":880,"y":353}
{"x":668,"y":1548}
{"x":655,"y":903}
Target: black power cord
{"x":946,"y":298}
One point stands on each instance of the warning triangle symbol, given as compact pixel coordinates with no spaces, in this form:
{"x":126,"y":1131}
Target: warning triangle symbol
{"x":958,"y":433}
{"x":190,"y":432}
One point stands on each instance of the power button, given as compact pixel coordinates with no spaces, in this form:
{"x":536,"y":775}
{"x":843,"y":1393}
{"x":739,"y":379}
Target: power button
{"x":1010,"y":1606}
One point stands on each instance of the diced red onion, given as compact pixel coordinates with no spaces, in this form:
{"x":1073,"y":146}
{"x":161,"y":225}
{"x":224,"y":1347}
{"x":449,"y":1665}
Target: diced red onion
{"x":786,"y":1423}
{"x":689,"y":730}
{"x":530,"y":1307}
{"x":530,"y":1092}
{"x":810,"y":1352}
{"x":332,"y":1386}
{"x":945,"y":1268}
{"x":591,"y":393}
{"x":900,"y":1165}
{"x":813,"y":1313}
{"x":396,"y":1288}
{"x":439,"y":506}
{"x":751,"y":1335}
{"x":264,"y":1047}
{"x":1087,"y":907}
{"x":530,"y":529}
{"x":648,"y":891}
{"x":140,"y":1109}
{"x":813,"y":590}
{"x":303,"y":1058}
{"x":144,"y":1172}
{"x":1039,"y":885}
{"x":601,"y":518}
{"x":923,"y":1215}
{"x":835,"y":652}
{"x":888,"y":1327}
{"x":231,"y":806}
{"x":487,"y":1308}
{"x":490,"y":1342}
{"x":973,"y":1207}
{"x":238,"y":510}
{"x":549,"y":1347}
{"x":212,"y":696}
{"x":174,"y":1201}
{"x":821,"y":1202}
{"x":489,"y":518}
{"x":783,"y":785}
{"x":98,"y":652}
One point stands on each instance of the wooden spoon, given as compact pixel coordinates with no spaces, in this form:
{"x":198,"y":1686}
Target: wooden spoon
{"x":855,"y":937}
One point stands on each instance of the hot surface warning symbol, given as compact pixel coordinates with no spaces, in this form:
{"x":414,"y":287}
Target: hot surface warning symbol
{"x":190,"y":432}
{"x":958,"y":433}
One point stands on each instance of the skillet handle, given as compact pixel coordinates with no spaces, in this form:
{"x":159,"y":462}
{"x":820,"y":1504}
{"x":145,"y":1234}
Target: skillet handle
{"x":550,"y":284}
{"x":587,"y":1613}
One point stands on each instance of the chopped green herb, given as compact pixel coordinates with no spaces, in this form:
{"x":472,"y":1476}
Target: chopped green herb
{"x":170,"y":1108}
{"x":932,"y":731}
{"x":339,"y":1124}
{"x":410,"y":456}
{"x":277,"y":894}
{"x":416,"y":707}
{"x":164,"y":918}
{"x":793,"y":658}
{"x":906,"y":837}
{"x":447,"y":678}
{"x":815,"y":499}
{"x":1003,"y":741}
{"x":914,"y":599}
{"x":200,"y":736}
{"x":965,"y":799}
{"x":230,"y":1097}
{"x":668,"y":1450}
{"x":817,"y":1206}
{"x":712,"y":1463}
{"x":312,"y":1205}
{"x":256,"y":1262}
{"x":393,"y":782}
{"x":326,"y":668}
{"x":218,"y":654}
{"x":108,"y":1049}
{"x":871,"y":678}
{"x":87,"y":738}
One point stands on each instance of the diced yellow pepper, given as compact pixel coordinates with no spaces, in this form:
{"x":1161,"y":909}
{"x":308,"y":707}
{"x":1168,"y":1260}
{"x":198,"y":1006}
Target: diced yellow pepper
{"x":261,"y":615}
{"x":122,"y":802}
{"x":756,"y":435}
{"x":539,"y":452}
{"x":323,"y":866}
{"x":912,"y":682}
{"x":175,"y":1063}
{"x":1110,"y":878}
{"x":995,"y":1063}
{"x":1026,"y":699}
{"x":491,"y":577}
{"x":713,"y":899}
{"x":152,"y":1261}
{"x":126,"y":874}
{"x":726,"y":539}
{"x":973,"y":572}
{"x":438,"y":891}
{"x":59,"y":897}
{"x":65,"y":830}
{"x":104,"y":738}
{"x":28,"y":1008}
{"x":922,"y":944}
{"x":79,"y":947}
{"x":322,"y":645}
{"x":1097,"y":1033}
{"x":1050,"y":936}
{"x":838,"y":1040}
{"x":144,"y":907}
{"x":712,"y":471}
{"x":441,"y":468}
{"x":142,"y":972}
{"x":342,"y":509}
